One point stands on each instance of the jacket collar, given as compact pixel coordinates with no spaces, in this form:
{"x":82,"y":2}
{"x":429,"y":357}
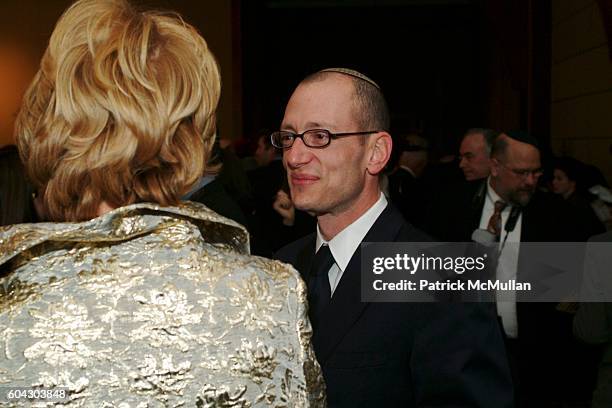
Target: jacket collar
{"x":122,"y":224}
{"x":346,"y":306}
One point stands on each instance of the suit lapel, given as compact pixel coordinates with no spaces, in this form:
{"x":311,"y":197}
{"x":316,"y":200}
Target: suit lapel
{"x":305,"y":258}
{"x":346,"y":307}
{"x":527,"y":230}
{"x":477,"y":205}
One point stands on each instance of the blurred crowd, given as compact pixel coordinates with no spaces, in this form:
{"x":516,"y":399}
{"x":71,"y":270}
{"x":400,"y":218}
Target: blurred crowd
{"x":246,"y":182}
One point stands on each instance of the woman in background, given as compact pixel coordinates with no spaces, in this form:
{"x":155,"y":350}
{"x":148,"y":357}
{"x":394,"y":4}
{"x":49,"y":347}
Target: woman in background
{"x":569,"y":181}
{"x":129,"y":296}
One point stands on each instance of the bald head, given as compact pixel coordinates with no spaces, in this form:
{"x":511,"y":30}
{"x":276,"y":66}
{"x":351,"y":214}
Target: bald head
{"x":370,"y":108}
{"x":475,"y":152}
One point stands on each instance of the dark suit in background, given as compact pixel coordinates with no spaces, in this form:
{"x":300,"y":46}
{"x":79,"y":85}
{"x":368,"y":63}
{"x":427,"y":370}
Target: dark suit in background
{"x":214,"y":196}
{"x":269,"y":232}
{"x":407,"y":193}
{"x":403,"y":354}
{"x":548,"y":364}
{"x":455,"y":213}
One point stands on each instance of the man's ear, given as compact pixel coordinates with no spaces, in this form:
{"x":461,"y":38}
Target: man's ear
{"x":494,"y":167}
{"x":381,"y":145}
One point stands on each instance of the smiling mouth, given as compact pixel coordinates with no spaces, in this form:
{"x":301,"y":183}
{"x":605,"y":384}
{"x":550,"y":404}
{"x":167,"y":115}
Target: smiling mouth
{"x":303,"y":179}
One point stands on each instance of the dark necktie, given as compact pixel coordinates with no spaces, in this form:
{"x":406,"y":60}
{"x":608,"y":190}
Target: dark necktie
{"x":319,"y":292}
{"x":494,"y":226}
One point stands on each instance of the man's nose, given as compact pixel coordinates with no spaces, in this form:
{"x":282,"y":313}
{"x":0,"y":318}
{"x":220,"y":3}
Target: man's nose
{"x":297,"y":155}
{"x":532,"y":179}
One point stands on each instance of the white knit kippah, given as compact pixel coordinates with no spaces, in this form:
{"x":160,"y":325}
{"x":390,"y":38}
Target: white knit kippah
{"x":353,"y":73}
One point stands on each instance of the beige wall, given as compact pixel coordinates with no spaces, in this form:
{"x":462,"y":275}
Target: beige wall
{"x":26,"y":25}
{"x":581,"y":110}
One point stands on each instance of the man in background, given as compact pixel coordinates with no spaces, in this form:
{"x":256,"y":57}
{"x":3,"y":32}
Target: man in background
{"x":475,"y":152}
{"x":406,"y":189}
{"x":508,"y":208}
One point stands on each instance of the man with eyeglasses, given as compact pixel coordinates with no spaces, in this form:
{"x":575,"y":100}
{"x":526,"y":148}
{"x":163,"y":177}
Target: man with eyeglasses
{"x":515,"y":170}
{"x":507,"y":209}
{"x":335,"y":142}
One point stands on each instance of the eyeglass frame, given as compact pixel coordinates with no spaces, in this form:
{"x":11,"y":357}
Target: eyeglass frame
{"x":331,"y":136}
{"x":523,"y":174}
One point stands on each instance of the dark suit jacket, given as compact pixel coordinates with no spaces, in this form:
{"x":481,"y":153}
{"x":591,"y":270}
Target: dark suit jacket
{"x":404,"y":354}
{"x":407,"y":193}
{"x":214,"y":196}
{"x":551,"y":365}
{"x":455,"y":214}
{"x":268,"y":233}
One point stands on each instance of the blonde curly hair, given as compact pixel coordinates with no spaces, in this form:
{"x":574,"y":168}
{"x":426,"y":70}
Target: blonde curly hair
{"x":122,"y":110}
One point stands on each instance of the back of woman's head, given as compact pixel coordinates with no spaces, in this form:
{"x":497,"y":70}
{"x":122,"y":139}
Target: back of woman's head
{"x":121,"y":110}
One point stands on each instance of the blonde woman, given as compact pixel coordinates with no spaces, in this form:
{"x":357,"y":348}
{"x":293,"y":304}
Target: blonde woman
{"x":129,"y":296}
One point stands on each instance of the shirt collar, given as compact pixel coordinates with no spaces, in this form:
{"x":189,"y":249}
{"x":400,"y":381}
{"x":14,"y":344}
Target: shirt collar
{"x":492,"y":196}
{"x":345,"y":243}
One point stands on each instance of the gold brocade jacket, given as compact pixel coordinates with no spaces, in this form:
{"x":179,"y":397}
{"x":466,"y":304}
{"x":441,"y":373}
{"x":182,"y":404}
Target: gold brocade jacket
{"x":152,"y":306}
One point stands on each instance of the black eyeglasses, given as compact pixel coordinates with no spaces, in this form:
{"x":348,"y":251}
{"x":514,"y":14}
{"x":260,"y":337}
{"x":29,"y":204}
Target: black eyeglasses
{"x":317,"y":138}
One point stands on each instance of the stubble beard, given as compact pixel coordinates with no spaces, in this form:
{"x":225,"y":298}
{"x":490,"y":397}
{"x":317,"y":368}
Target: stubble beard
{"x":521,"y":197}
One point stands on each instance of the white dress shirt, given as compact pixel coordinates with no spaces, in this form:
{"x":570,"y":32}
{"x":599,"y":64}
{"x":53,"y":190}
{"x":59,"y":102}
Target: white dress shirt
{"x":508,"y":261}
{"x":346,"y":242}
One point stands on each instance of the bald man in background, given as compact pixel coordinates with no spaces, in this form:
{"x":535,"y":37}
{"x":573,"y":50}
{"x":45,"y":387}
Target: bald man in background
{"x":475,"y":152}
